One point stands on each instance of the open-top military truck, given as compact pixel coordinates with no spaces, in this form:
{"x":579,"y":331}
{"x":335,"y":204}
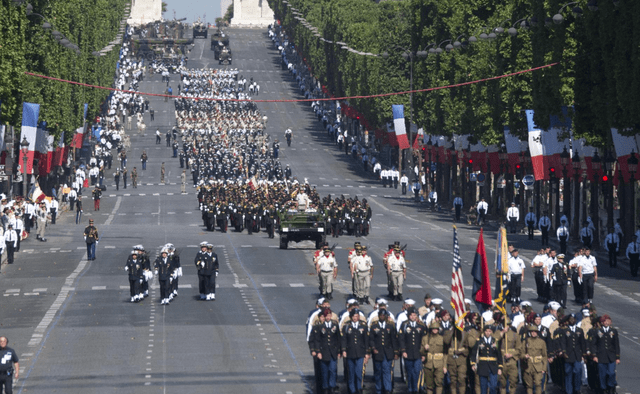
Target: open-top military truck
{"x":225,"y":56}
{"x":219,"y":40}
{"x":301,"y":226}
{"x":200,"y":29}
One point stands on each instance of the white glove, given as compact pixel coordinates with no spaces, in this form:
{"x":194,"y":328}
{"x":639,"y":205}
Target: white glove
{"x":140,"y":281}
{"x":126,"y":268}
{"x":156,"y":272}
{"x":180,"y":271}
{"x":580,"y":280}
{"x":171,"y":279}
{"x":216,"y":274}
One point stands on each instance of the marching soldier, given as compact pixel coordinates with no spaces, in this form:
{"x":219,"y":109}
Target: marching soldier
{"x":410,"y":340}
{"x":326,"y":343}
{"x":605,"y":347}
{"x":146,"y":269}
{"x":164,"y":271}
{"x":511,"y":347}
{"x":486,"y":361}
{"x":363,"y":269}
{"x":563,"y":235}
{"x":351,"y":255}
{"x":397,"y":270}
{"x":91,"y":237}
{"x":327,"y":269}
{"x":355,"y":349}
{"x":573,"y":348}
{"x":135,"y":268}
{"x":586,"y":235}
{"x":456,"y":360}
{"x":175,"y":263}
{"x":535,"y":359}
{"x":633,"y":254}
{"x":435,"y":354}
{"x":211,"y":295}
{"x":383,"y":345}
{"x":204,"y":266}
{"x":513,"y":216}
{"x":471,"y":337}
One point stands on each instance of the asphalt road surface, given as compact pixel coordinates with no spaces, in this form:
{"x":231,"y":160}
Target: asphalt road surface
{"x":71,"y":323}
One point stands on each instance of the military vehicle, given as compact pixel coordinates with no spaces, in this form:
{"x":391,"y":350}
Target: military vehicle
{"x":225,"y":56}
{"x":301,"y":226}
{"x":200,"y":29}
{"x":218,"y":41}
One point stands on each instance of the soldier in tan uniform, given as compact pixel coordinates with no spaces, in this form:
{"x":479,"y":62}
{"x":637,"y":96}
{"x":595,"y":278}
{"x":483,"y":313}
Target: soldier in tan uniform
{"x":535,"y":359}
{"x":363,"y":273}
{"x":327,"y":269}
{"x":456,"y":359}
{"x":397,"y":269}
{"x":352,"y":253}
{"x":511,"y":347}
{"x":435,"y":362}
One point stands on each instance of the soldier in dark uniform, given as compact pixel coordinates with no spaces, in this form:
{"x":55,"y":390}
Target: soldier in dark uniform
{"x":326,"y":343}
{"x":410,"y":339}
{"x":605,"y":347}
{"x":270,"y":220}
{"x":486,"y":361}
{"x":202,"y":262}
{"x":311,"y":340}
{"x":355,"y":349}
{"x":91,"y":237}
{"x":134,"y":267}
{"x":146,"y":269}
{"x":383,"y":343}
{"x":164,"y":272}
{"x":211,"y":290}
{"x":175,"y":263}
{"x":572,"y":346}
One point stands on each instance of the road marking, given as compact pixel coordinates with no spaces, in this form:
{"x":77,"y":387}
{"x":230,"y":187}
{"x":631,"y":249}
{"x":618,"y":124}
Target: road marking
{"x":113,"y":213}
{"x":415,"y":286}
{"x":268,"y":285}
{"x":40,"y":290}
{"x":296,"y":284}
{"x":124,"y":287}
{"x":109,"y":247}
{"x":239,"y":285}
{"x":99,"y":288}
{"x":185,"y":286}
{"x":246,"y":246}
{"x":12,"y":291}
{"x":31,"y":294}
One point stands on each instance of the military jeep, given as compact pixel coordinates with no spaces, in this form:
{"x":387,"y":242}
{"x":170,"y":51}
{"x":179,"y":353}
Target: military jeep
{"x":299,"y":226}
{"x":225,"y":56}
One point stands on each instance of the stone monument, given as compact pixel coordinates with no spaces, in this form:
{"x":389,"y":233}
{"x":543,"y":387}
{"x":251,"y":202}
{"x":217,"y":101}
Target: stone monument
{"x":251,"y":13}
{"x":145,"y":11}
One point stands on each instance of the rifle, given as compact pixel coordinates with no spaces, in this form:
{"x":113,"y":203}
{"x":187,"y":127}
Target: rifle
{"x":333,"y":247}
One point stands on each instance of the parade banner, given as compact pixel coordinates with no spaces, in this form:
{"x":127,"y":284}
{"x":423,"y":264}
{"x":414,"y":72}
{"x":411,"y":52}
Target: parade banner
{"x":79,"y":135}
{"x":30,"y":113}
{"x":399,"y":126}
{"x":481,"y":282}
{"x":457,"y":285}
{"x":502,"y":270}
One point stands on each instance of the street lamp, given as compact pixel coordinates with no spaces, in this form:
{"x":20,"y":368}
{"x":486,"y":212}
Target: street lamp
{"x":24,"y":147}
{"x":576,"y":164}
{"x":524,"y":24}
{"x":577,"y":12}
{"x":565,"y":157}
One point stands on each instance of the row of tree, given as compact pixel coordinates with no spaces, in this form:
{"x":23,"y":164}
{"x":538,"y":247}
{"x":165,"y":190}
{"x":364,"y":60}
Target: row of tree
{"x":25,"y":46}
{"x":597,"y":73}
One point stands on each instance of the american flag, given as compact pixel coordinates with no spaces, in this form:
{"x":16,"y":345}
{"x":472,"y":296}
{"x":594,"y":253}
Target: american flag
{"x":457,"y":285}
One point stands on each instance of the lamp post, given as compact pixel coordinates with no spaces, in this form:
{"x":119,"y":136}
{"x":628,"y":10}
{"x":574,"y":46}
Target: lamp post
{"x":24,"y":147}
{"x":609,"y":163}
{"x":577,"y":165}
{"x":503,"y":156}
{"x":632,"y":166}
{"x":565,"y":157}
{"x":596,"y":165}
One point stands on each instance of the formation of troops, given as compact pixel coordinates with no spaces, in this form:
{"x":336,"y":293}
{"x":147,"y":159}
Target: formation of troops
{"x":167,"y":268}
{"x":483,"y":353}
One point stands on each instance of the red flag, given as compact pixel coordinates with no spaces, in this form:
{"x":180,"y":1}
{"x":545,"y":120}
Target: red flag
{"x":481,"y":281}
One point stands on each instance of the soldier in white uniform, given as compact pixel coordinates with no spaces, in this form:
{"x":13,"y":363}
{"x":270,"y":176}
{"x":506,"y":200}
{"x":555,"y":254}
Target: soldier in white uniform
{"x":588,"y":273}
{"x":513,"y":216}
{"x":327,"y":269}
{"x":563,"y":235}
{"x":516,"y":275}
{"x":397,"y":269}
{"x":482,"y":208}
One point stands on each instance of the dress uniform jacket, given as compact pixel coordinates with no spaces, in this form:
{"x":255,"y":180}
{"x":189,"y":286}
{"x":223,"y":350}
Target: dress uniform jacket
{"x":486,"y":356}
{"x":572,"y":343}
{"x":134,"y":267}
{"x":606,"y":345}
{"x":164,"y":270}
{"x":383,"y":340}
{"x":411,"y":339}
{"x":326,"y":340}
{"x":354,"y":341}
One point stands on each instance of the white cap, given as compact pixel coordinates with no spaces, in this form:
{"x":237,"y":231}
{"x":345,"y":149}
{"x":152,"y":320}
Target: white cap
{"x":436,"y":301}
{"x":467,"y":301}
{"x":382,"y":301}
{"x":585,"y":312}
{"x":525,"y":303}
{"x":554,"y":305}
{"x":409,"y":301}
{"x":320,"y":300}
{"x":352,"y":301}
{"x":487,"y":316}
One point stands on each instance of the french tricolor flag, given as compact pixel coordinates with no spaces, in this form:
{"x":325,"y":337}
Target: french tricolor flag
{"x":399,"y":126}
{"x":30,"y":113}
